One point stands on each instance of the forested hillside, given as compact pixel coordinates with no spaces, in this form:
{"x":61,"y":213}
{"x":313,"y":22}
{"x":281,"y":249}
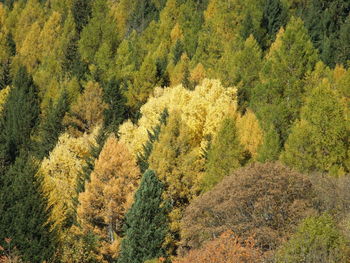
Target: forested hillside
{"x":183,"y":131}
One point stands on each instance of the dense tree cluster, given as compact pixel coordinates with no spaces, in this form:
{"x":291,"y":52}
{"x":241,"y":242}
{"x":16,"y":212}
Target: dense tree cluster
{"x":174,"y":131}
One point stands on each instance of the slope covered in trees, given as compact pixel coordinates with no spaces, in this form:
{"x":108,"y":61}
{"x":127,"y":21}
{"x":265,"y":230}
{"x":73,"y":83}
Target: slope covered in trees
{"x":174,"y":130}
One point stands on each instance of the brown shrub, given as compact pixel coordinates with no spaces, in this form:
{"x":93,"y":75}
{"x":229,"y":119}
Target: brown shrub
{"x":263,"y":200}
{"x":228,"y":248}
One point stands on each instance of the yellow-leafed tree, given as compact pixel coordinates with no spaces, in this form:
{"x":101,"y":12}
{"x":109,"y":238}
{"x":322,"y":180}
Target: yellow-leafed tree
{"x":177,"y":160}
{"x":3,"y":97}
{"x":108,"y":196}
{"x":201,"y":110}
{"x":87,"y":112}
{"x":59,"y":173}
{"x":249,"y":132}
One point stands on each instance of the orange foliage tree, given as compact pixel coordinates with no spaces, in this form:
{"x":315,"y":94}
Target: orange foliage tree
{"x":109,"y":195}
{"x":228,"y":248}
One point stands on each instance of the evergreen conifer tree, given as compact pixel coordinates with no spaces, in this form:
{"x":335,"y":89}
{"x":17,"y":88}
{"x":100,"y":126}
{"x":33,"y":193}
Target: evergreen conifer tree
{"x":20,"y":116}
{"x":117,"y":111}
{"x":146,"y":223}
{"x":23,"y":211}
{"x":81,"y":10}
{"x":274,"y":17}
{"x":52,"y":125}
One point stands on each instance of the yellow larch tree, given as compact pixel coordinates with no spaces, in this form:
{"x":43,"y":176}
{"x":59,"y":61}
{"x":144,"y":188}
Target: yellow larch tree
{"x":250,"y":133}
{"x":109,"y":195}
{"x":201,"y":110}
{"x":59,"y":173}
{"x":3,"y":97}
{"x":87,"y":112}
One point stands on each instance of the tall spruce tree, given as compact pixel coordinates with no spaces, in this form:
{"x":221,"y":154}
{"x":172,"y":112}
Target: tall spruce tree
{"x":146,"y":223}
{"x":81,"y":10}
{"x":117,"y":111}
{"x":52,"y":126}
{"x":275,"y":16}
{"x":323,"y":19}
{"x":19,"y":117}
{"x":23,"y":212}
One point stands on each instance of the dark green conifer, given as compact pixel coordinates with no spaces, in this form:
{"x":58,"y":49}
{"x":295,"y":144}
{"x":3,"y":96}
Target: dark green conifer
{"x":81,"y":10}
{"x":275,"y":16}
{"x":20,"y":116}
{"x":52,"y":126}
{"x":146,"y":223}
{"x":23,"y":211}
{"x":117,"y":110}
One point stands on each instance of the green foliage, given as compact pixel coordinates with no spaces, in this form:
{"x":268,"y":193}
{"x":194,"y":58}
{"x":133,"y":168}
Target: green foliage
{"x":23,"y":211}
{"x":106,"y":58}
{"x":99,"y":39}
{"x":146,"y":222}
{"x":343,"y":44}
{"x":19,"y":117}
{"x":277,"y":100}
{"x":324,"y":20}
{"x":317,"y":240}
{"x":225,"y":154}
{"x":319,"y":141}
{"x":271,"y":146}
{"x":52,"y":126}
{"x":246,"y":65}
{"x":274,"y":17}
{"x":117,"y":111}
{"x":81,"y":10}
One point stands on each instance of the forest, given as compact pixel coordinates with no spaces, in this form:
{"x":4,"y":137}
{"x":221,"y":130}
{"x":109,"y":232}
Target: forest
{"x":174,"y":131}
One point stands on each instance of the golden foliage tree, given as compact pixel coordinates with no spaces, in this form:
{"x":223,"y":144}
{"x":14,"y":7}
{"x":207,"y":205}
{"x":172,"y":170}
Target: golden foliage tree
{"x":59,"y":174}
{"x":109,"y":195}
{"x":249,"y":132}
{"x":201,"y":110}
{"x":87,"y":112}
{"x":3,"y":97}
{"x":178,"y":163}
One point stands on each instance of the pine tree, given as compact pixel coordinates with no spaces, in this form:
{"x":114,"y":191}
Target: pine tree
{"x":20,"y":116}
{"x":245,"y":67}
{"x":23,"y":211}
{"x":177,"y":160}
{"x":81,"y":10}
{"x":324,"y":19}
{"x":52,"y":126}
{"x":343,"y":44}
{"x":271,"y":146}
{"x":117,"y":111}
{"x":274,"y":17}
{"x":98,"y":35}
{"x":225,"y":154}
{"x":146,"y":223}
